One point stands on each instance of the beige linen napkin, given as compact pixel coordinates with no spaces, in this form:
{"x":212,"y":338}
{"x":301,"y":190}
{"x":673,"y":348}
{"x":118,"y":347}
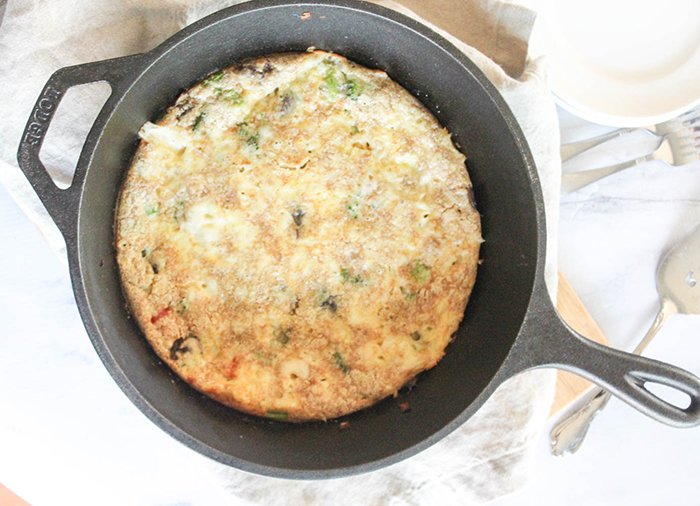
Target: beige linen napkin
{"x":491,"y":455}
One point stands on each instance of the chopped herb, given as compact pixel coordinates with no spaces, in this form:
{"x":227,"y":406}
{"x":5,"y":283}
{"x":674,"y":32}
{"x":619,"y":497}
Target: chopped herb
{"x":339,"y":83}
{"x":352,"y":209}
{"x":340,"y":362}
{"x":143,"y":253}
{"x":421,"y":272}
{"x":244,"y":133}
{"x":354,"y":130}
{"x":415,"y":336}
{"x":277,"y":415}
{"x":229,"y":94}
{"x":151,"y":209}
{"x":331,"y":83}
{"x":181,"y":306}
{"x":198,"y":121}
{"x":349,"y":278}
{"x":179,"y":213}
{"x":216,"y":77}
{"x":253,"y":141}
{"x":353,"y":88}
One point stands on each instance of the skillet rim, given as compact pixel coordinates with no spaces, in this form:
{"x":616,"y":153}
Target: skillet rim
{"x":81,"y":291}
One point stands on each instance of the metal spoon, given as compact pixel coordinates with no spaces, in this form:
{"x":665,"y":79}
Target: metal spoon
{"x":677,"y":282}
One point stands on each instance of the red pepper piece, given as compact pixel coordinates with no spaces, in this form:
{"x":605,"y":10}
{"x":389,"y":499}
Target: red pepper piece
{"x":163,"y":312}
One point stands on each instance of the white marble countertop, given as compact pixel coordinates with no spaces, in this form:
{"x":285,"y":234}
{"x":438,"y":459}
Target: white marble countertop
{"x":68,"y":435}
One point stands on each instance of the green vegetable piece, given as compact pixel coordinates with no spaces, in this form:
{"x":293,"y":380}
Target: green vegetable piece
{"x":331,"y":83}
{"x":253,"y":141}
{"x":340,"y":362}
{"x":338,"y":83}
{"x":277,"y":415}
{"x":179,"y":213}
{"x":143,"y":253}
{"x":198,"y":121}
{"x":409,"y":295}
{"x":249,"y":138}
{"x":421,"y":272}
{"x":352,"y":209}
{"x":182,"y":306}
{"x":354,"y":130}
{"x":348,"y":278}
{"x":151,"y":209}
{"x":229,"y":94}
{"x":353,"y":88}
{"x":216,"y":77}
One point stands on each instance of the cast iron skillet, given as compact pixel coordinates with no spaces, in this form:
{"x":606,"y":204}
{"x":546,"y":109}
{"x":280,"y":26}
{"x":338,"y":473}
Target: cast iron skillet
{"x":509,"y":325}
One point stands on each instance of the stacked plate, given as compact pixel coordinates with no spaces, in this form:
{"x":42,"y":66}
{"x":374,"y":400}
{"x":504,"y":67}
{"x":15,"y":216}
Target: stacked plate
{"x":621,"y":62}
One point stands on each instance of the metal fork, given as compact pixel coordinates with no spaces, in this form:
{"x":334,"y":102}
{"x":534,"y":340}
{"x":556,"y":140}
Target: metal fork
{"x":680,"y":136}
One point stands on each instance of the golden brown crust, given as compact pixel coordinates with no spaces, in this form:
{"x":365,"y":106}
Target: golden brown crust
{"x":296,"y":237}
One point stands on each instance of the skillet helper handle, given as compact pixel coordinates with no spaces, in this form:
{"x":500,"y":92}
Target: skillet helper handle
{"x":547,"y":341}
{"x":62,"y":204}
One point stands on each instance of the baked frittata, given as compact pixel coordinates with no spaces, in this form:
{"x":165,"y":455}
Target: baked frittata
{"x":297,"y":236}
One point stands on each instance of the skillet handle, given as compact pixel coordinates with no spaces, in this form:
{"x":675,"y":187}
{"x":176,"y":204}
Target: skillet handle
{"x":62,"y":204}
{"x":547,"y":341}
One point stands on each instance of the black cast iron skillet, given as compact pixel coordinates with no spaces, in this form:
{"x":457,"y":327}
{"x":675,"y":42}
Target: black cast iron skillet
{"x":509,"y":326}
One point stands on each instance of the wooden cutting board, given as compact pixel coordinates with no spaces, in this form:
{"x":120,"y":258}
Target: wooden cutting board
{"x":569,"y":386}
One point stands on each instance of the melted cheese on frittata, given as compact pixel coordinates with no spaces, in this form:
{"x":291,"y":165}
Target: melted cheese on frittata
{"x":296,"y":236}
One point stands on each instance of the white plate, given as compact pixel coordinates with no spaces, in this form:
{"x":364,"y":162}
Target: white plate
{"x":621,"y":62}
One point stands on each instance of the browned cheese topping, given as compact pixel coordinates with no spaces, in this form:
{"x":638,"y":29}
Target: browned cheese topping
{"x":296,"y":236}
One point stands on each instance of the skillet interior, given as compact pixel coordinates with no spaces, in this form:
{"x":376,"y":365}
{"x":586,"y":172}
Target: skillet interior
{"x":463,"y":101}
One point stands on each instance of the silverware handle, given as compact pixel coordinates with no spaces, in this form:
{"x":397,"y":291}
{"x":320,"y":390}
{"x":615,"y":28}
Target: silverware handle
{"x":576,"y":180}
{"x":573,"y":149}
{"x":568,"y":435}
